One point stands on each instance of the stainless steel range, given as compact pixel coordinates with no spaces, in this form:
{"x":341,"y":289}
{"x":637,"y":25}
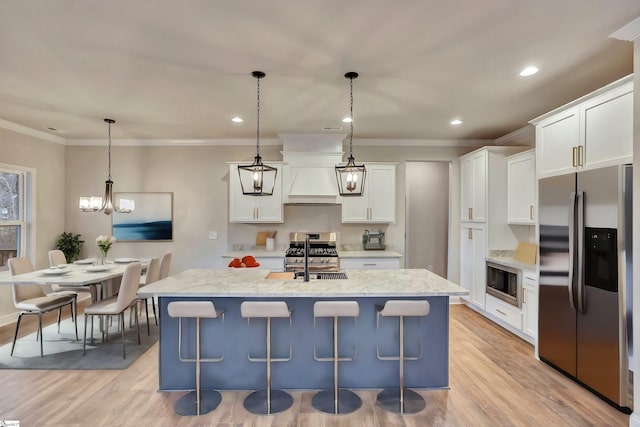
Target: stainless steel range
{"x":323,"y":255}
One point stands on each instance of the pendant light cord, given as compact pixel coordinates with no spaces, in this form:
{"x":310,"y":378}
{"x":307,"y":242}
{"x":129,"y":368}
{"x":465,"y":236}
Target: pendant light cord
{"x":351,"y":116}
{"x":109,"y":168}
{"x":258,"y":121}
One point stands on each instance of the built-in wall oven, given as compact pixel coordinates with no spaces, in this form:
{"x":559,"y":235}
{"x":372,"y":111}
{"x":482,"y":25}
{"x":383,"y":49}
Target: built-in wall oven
{"x":504,"y":283}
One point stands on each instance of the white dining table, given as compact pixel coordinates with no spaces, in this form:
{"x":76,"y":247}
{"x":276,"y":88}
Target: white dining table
{"x":74,"y":275}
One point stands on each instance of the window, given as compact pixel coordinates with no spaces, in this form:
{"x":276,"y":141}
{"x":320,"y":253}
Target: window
{"x":14,"y":213}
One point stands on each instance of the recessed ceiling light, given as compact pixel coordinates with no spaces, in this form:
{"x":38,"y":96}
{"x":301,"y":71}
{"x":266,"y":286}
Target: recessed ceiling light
{"x":456,"y":122}
{"x":529,"y":71}
{"x":237,"y":120}
{"x":347,"y":120}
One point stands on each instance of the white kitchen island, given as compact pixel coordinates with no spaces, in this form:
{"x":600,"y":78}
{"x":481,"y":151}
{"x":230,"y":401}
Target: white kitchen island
{"x":235,"y":338}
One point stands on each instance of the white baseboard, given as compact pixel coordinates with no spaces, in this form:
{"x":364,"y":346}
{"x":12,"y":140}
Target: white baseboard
{"x":634,"y":420}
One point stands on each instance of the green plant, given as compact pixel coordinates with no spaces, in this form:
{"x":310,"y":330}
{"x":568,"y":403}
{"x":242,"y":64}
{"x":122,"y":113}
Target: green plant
{"x":70,"y":244}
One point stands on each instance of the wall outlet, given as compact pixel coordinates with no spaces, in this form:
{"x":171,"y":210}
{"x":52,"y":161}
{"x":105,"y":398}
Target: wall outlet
{"x":213,"y":235}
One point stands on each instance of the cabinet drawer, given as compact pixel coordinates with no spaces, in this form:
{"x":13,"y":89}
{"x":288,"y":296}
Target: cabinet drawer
{"x":505,"y":312}
{"x":369,"y":263}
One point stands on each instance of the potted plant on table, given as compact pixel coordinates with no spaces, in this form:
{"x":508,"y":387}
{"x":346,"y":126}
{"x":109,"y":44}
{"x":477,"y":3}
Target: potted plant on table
{"x":70,"y":244}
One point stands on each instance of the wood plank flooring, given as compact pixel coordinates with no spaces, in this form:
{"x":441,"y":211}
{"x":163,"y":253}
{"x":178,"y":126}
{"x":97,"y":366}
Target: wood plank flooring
{"x":494,"y":380}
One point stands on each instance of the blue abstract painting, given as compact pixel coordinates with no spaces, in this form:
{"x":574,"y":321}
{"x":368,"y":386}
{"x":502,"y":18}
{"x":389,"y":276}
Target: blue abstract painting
{"x":151,"y":220}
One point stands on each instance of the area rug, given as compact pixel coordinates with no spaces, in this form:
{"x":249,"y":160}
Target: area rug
{"x":62,"y":351}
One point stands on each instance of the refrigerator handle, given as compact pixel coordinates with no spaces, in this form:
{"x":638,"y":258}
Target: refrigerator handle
{"x":572,"y":232}
{"x":580,"y":259}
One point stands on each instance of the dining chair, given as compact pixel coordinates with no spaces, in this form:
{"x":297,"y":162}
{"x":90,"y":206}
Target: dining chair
{"x":56,"y":258}
{"x":31,"y":299}
{"x":117,"y":305}
{"x":165,"y":265}
{"x":153,"y":274}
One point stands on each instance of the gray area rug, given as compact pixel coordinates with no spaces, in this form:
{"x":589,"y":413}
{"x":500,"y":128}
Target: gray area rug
{"x":62,"y":351}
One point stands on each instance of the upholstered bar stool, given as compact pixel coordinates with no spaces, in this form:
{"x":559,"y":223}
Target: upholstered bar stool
{"x":267,"y":401}
{"x":336,"y":401}
{"x":199,"y":401}
{"x":401,"y":400}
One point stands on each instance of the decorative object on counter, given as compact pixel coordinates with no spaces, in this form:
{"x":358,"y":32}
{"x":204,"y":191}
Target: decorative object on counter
{"x":271,"y":244}
{"x":526,"y":253}
{"x":373,"y":240}
{"x":262,"y":236}
{"x":351,"y":176}
{"x":105,"y":204}
{"x":246,"y":261}
{"x":70,"y":244}
{"x":257,"y":179}
{"x":104,"y":244}
{"x":154,"y":223}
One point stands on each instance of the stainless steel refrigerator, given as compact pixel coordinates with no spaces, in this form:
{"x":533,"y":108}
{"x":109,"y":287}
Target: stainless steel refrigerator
{"x":584,"y":326}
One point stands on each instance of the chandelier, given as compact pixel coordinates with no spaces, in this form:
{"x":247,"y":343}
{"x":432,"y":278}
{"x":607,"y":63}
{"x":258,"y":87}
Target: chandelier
{"x":351,"y":176}
{"x":105,"y":204}
{"x":257,"y":179}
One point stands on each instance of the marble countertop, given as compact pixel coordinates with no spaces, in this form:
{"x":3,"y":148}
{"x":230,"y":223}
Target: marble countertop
{"x":510,"y":262}
{"x":261,"y":253}
{"x":253,"y":283}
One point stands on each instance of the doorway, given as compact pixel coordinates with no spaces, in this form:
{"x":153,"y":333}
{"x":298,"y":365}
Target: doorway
{"x":427,"y":215}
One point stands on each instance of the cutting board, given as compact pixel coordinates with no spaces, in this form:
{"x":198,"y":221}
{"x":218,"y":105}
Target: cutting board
{"x":261,"y":237}
{"x":526,"y":253}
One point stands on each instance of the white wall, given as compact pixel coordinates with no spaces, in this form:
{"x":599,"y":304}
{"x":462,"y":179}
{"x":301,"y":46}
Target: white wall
{"x":48,"y":160}
{"x":635,"y":417}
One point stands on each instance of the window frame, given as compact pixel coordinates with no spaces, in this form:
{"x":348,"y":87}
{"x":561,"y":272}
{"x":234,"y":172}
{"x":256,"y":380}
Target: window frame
{"x":26,"y":178}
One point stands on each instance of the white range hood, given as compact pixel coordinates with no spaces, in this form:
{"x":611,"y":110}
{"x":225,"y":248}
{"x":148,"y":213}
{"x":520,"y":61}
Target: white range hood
{"x":308,"y":173}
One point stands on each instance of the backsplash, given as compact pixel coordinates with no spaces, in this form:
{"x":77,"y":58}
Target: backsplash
{"x":312,"y":218}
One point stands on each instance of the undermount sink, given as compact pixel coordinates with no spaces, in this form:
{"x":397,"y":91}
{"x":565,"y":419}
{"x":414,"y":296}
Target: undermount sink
{"x":336,"y":275}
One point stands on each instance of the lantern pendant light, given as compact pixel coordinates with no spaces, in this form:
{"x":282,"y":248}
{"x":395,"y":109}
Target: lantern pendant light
{"x":105,"y":204}
{"x":257,"y":179}
{"x":351,"y":176}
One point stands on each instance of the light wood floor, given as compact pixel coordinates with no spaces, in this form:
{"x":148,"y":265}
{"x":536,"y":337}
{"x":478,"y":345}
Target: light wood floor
{"x":494,"y":379}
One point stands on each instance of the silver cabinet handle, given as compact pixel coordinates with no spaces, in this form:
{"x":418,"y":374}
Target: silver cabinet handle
{"x":574,"y":152}
{"x":470,"y":213}
{"x":501,"y":312}
{"x":524,"y":295}
{"x":470,"y":233}
{"x":369,"y":264}
{"x":580,"y":162}
{"x":531,"y":212}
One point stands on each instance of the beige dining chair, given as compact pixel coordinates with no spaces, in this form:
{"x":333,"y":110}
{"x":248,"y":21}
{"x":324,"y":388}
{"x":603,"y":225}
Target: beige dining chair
{"x":153,"y":274}
{"x":117,"y":305}
{"x":56,"y":257}
{"x":31,"y":299}
{"x":165,"y":265}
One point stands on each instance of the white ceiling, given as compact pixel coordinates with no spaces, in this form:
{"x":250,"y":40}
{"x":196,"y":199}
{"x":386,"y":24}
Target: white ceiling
{"x":168,"y":69}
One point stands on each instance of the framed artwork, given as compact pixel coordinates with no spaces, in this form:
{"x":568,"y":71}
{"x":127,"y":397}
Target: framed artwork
{"x":151,"y":220}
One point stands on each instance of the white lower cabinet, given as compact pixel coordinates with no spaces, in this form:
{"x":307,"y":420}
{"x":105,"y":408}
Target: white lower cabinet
{"x":530,"y":305}
{"x":369,"y":263}
{"x":505,"y":312}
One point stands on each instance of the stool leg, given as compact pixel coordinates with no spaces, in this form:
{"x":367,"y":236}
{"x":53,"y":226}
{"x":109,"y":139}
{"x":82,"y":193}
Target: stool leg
{"x":268,"y":365}
{"x":335,"y":364}
{"x":197,"y":365}
{"x":402,"y":401}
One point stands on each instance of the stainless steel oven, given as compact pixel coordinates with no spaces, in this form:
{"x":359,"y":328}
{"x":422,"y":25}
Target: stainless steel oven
{"x":504,"y":283}
{"x":322,"y":257}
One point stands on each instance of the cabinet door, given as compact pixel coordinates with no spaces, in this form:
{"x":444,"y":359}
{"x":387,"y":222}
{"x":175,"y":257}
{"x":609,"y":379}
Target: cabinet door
{"x":382,"y":193}
{"x":473,"y":187}
{"x":556,"y":137}
{"x":369,"y":263}
{"x":530,"y":307}
{"x":253,"y":209}
{"x":521,"y":189}
{"x":472,"y":263}
{"x":608,"y":128}
{"x":378,"y":203}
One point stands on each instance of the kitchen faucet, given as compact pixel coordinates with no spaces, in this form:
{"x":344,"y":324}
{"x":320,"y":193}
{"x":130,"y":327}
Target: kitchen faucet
{"x":305,"y":273}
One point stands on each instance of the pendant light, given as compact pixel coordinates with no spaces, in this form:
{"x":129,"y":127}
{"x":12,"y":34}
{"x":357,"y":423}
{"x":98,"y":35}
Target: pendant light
{"x":105,"y":204}
{"x":351,"y":176}
{"x":257,"y":179}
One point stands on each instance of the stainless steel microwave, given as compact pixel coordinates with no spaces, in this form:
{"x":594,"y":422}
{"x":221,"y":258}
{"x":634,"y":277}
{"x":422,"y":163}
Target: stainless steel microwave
{"x":504,"y":283}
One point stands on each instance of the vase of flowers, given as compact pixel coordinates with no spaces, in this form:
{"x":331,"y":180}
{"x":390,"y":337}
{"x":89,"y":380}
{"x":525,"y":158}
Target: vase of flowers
{"x":104,"y":244}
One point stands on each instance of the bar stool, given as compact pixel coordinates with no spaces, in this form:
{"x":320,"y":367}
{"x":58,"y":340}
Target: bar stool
{"x":196,"y":402}
{"x":336,"y":401}
{"x":401,"y":400}
{"x":267,"y":401}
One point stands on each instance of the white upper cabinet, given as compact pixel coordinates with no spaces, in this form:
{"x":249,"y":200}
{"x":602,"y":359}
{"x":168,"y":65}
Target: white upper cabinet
{"x":591,"y":132}
{"x":378,"y":203}
{"x":252,"y":209}
{"x":473,"y":192}
{"x":521,"y":188}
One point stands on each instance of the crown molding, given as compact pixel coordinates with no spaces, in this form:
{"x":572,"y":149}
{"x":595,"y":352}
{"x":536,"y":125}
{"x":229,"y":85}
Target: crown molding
{"x":523,"y":136}
{"x":14,"y":127}
{"x":424,"y":142}
{"x":175,"y":142}
{"x":629,"y":32}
